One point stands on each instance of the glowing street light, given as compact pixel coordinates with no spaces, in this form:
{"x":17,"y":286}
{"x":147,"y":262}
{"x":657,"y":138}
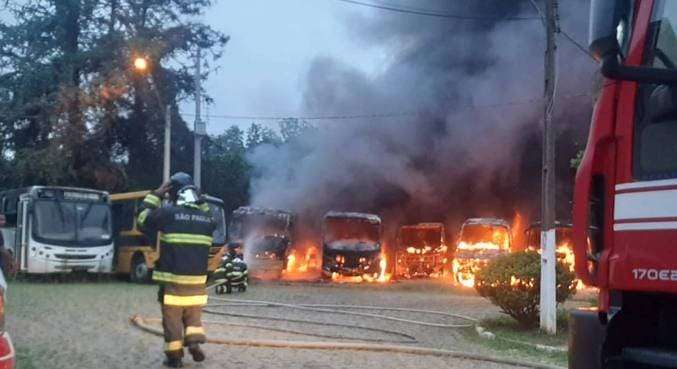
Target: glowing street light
{"x":140,"y":64}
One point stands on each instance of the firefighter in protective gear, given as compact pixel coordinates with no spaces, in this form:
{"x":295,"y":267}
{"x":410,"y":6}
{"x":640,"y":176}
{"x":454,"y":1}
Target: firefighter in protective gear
{"x":232,"y":273}
{"x":185,"y":229}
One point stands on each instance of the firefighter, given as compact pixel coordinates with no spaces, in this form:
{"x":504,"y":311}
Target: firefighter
{"x":186,"y":229}
{"x":233,"y":270}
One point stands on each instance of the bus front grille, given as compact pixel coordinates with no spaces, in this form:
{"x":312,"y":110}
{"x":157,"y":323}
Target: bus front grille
{"x":74,"y":257}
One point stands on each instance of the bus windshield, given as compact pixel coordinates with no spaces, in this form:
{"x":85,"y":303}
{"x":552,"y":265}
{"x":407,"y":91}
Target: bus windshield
{"x":349,"y":228}
{"x":421,"y":237}
{"x":72,"y":222}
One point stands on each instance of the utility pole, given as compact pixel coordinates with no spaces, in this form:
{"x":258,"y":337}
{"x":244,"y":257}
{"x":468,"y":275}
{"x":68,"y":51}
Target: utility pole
{"x":168,"y":145}
{"x":548,"y":303}
{"x":199,"y":129}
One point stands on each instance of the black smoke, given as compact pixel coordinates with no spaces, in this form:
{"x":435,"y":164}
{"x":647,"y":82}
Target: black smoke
{"x":473,"y":146}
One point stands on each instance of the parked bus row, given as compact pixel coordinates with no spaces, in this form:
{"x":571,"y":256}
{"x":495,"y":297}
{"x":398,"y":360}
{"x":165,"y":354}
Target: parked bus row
{"x":52,"y":229}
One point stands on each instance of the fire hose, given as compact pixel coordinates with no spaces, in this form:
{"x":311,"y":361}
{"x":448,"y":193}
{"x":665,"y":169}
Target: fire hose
{"x":143,"y":324}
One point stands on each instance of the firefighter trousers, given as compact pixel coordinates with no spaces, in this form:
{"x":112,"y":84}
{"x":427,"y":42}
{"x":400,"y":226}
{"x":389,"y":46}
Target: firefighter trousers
{"x":181,"y":324}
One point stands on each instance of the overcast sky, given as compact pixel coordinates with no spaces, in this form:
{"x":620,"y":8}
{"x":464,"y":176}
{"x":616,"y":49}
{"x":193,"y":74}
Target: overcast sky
{"x":272,"y":44}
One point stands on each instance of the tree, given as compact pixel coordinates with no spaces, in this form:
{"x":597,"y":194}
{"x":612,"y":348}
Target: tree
{"x":226,"y":172}
{"x":291,"y":128}
{"x":260,"y":135}
{"x":72,"y":111}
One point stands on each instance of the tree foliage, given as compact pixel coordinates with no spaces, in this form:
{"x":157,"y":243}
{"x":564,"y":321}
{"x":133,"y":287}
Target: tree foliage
{"x":73,"y":111}
{"x":513,"y":283}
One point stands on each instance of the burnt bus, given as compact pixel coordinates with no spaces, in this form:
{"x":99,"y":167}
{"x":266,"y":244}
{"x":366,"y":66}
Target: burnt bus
{"x":480,"y":240}
{"x":266,"y":235}
{"x":351,"y":244}
{"x":421,"y":251}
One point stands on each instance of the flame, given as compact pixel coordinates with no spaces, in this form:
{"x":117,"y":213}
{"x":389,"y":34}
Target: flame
{"x":291,"y":262}
{"x":381,"y":277}
{"x":338,"y":278}
{"x":383,"y":267}
{"x":300,"y":264}
{"x":465,"y":279}
{"x":479,"y":246}
{"x":564,"y":252}
{"x":464,"y":270}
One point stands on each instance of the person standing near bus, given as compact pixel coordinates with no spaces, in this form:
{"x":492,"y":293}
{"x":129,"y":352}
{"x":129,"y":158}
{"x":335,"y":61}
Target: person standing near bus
{"x":186,"y":229}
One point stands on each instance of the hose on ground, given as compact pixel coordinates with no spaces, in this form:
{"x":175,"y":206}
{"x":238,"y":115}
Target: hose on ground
{"x":407,"y":338}
{"x":295,"y":332}
{"x":336,"y":310}
{"x":140,"y":323}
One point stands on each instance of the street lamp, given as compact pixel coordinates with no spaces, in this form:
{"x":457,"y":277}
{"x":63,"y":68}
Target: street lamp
{"x":141,"y":66}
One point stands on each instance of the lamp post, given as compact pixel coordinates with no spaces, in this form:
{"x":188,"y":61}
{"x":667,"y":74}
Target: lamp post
{"x":141,"y":66}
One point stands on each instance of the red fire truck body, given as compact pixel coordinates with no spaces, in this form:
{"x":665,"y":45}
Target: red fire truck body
{"x":626,"y":189}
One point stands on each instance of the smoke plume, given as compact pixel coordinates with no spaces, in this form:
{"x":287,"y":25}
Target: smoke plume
{"x":472,"y":145}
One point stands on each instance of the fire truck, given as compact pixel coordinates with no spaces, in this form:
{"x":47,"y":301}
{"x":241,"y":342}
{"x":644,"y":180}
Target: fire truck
{"x":626,"y":187}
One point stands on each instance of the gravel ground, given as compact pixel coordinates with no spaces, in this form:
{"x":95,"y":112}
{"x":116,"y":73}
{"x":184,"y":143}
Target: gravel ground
{"x":86,"y":325}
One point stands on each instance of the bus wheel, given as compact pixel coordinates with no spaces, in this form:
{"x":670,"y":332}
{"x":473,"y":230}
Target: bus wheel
{"x":139,"y":271}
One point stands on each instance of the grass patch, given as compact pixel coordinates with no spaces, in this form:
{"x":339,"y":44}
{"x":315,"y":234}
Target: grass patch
{"x":25,"y":358}
{"x":509,"y":333}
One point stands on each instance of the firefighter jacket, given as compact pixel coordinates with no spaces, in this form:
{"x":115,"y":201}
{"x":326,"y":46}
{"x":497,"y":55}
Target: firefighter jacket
{"x":185,"y":238}
{"x":232,"y":268}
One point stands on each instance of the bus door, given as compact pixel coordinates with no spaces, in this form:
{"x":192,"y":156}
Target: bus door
{"x":22,"y":234}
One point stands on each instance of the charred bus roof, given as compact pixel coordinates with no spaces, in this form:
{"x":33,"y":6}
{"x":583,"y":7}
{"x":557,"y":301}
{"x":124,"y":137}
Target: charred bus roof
{"x":245,"y":211}
{"x":495,"y":222}
{"x":371,"y":218}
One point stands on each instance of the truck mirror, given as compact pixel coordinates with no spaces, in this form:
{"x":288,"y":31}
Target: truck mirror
{"x":608,"y":27}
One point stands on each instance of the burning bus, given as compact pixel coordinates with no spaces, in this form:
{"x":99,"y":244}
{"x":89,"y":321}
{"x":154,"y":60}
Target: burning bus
{"x":351,"y":245}
{"x":266,"y":235}
{"x":480,"y":240}
{"x":564,"y":248}
{"x":421,"y":251}
{"x":564,"y":234}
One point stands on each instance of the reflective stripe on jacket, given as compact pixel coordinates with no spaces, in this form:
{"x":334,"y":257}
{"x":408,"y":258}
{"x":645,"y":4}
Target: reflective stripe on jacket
{"x":185,"y":238}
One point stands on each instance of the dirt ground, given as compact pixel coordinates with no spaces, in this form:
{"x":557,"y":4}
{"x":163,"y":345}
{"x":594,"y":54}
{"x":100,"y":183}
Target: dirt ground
{"x":86,"y":325}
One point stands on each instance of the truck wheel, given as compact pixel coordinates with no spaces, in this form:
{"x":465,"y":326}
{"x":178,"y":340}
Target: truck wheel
{"x":586,"y":336}
{"x":139,"y":272}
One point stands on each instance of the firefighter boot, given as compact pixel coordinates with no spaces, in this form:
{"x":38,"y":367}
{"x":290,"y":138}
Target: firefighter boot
{"x":173,"y":362}
{"x":196,"y":352}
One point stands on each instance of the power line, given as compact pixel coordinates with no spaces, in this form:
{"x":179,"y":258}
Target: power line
{"x":577,"y":44}
{"x":430,"y":13}
{"x":459,"y":108}
{"x":560,"y":30}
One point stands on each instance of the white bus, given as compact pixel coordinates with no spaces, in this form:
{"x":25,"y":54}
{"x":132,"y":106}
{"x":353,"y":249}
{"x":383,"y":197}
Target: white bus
{"x":58,"y":229}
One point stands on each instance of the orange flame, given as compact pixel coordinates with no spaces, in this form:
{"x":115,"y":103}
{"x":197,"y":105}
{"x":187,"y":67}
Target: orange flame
{"x":383,"y":267}
{"x":465,"y":279}
{"x":301,"y":264}
{"x":381,"y":277}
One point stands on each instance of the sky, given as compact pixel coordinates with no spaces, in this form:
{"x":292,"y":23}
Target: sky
{"x":273,"y":42}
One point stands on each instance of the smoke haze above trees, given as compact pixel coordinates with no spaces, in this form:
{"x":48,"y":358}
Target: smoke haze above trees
{"x":450,"y":160}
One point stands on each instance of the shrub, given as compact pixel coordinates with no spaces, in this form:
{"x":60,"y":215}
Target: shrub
{"x":513,"y":282}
